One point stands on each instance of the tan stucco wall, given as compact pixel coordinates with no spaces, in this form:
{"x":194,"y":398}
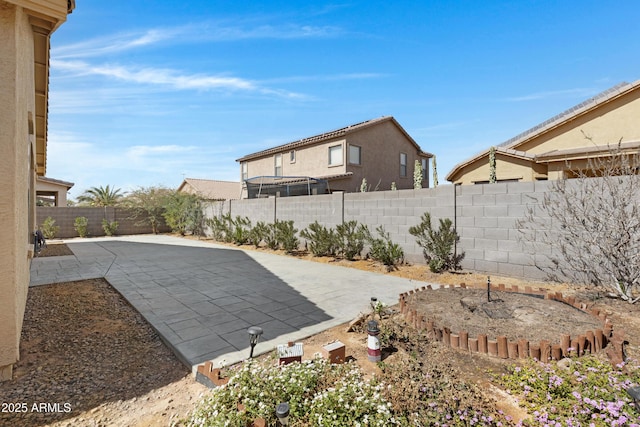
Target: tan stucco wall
{"x":507,"y":168}
{"x":607,"y":124}
{"x":17,"y":161}
{"x":50,"y":187}
{"x":380,"y":160}
{"x":310,"y":161}
{"x":16,"y":100}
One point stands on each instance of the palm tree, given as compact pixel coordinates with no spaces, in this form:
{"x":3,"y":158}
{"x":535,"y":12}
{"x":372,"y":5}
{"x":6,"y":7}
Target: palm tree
{"x":100,"y":196}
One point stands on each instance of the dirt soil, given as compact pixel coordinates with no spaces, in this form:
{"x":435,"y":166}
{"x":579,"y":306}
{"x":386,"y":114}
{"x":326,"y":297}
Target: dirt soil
{"x":514,"y":315}
{"x":90,"y":355}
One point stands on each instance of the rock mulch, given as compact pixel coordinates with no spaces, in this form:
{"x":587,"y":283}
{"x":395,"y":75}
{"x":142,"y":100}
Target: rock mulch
{"x":84,"y":346}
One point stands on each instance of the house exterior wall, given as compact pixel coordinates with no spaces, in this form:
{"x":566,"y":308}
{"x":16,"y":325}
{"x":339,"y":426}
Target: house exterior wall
{"x":310,"y":161}
{"x":49,"y":187}
{"x":608,"y":123}
{"x":507,"y":168}
{"x":380,"y":148}
{"x":18,"y":155}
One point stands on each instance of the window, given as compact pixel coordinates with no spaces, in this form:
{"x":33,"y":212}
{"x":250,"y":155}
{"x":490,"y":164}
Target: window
{"x":278,"y":165}
{"x":354,"y":155}
{"x":403,"y":164}
{"x":292,"y":156}
{"x":425,"y":168}
{"x":335,"y":155}
{"x":245,"y":170}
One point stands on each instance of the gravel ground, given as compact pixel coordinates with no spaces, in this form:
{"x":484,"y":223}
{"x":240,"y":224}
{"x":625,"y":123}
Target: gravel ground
{"x":87,"y":358}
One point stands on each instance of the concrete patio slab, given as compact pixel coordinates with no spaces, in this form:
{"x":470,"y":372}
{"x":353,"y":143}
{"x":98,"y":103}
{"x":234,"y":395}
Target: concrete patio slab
{"x":200,"y":297}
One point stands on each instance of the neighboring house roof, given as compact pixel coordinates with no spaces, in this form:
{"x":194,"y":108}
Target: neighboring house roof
{"x":48,"y":180}
{"x":212,"y":189}
{"x":332,"y":135}
{"x":566,"y":116}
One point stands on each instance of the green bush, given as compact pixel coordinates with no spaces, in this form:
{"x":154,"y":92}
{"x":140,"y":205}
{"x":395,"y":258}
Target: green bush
{"x":321,"y":241}
{"x":437,"y":246}
{"x":109,"y":227}
{"x":286,"y":236}
{"x":221,"y":228}
{"x":259,"y":233}
{"x":384,"y":250}
{"x":49,"y":229}
{"x":80,"y":224}
{"x":351,"y":238}
{"x":240,"y":228}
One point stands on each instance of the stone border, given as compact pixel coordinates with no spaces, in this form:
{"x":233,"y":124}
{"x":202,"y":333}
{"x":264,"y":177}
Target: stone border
{"x":545,"y":350}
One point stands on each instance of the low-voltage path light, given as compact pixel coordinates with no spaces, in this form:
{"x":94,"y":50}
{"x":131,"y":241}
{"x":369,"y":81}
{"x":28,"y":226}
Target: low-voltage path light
{"x":254,"y":333}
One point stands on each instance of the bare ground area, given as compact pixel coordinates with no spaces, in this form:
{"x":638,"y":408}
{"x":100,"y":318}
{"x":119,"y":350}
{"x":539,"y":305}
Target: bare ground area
{"x":85,"y":346}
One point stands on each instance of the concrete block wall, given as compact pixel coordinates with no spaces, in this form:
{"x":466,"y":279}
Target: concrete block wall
{"x":486,"y":217}
{"x":65,"y":217}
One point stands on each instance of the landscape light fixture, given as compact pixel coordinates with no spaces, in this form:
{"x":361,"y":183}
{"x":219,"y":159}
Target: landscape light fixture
{"x":634,"y":392}
{"x":254,"y":332}
{"x":282,"y":413}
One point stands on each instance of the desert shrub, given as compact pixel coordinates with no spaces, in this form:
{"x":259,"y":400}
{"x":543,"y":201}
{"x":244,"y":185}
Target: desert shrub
{"x":384,"y":250}
{"x":240,"y":230}
{"x":220,"y":228}
{"x":590,"y":392}
{"x":320,"y":240}
{"x":80,"y":224}
{"x":49,"y":229}
{"x":286,"y":236}
{"x":350,"y":238}
{"x":437,"y":246}
{"x":259,"y":233}
{"x":109,"y":227}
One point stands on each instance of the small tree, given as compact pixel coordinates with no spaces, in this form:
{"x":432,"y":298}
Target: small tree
{"x":80,"y":224}
{"x":587,"y":229}
{"x":183,"y":213}
{"x":49,"y":229}
{"x":147,"y":204}
{"x":417,"y":175}
{"x":438,"y":247}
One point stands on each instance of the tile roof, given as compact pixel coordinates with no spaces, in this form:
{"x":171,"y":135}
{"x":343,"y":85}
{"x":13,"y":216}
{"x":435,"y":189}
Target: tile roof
{"x":213,"y":189}
{"x":557,"y":120}
{"x":331,"y":135}
{"x":572,"y":112}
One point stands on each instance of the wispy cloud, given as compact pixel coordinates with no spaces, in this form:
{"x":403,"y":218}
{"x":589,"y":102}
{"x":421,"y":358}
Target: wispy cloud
{"x":191,"y":33}
{"x":553,"y":94}
{"x":167,"y":78}
{"x":326,"y":77}
{"x":114,"y":43}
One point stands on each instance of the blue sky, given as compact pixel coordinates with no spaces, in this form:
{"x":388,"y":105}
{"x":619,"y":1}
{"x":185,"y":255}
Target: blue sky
{"x":147,"y":92}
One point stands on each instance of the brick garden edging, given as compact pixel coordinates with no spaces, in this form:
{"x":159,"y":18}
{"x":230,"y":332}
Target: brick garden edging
{"x":545,"y":350}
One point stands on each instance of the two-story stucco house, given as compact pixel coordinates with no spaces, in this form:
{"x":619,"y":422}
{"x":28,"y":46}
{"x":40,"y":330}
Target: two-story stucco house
{"x":25,"y":30}
{"x":379,"y":150}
